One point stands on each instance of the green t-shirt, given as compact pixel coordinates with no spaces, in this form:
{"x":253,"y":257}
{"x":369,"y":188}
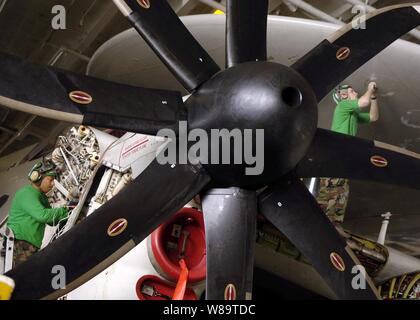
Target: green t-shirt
{"x":347,"y":116}
{"x":30,"y":211}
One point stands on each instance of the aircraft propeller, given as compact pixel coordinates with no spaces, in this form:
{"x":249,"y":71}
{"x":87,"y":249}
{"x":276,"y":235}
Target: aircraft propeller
{"x":250,"y":94}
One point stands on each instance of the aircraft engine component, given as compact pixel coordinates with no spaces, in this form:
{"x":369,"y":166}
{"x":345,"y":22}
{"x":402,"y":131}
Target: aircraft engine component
{"x":398,"y":263}
{"x":371,"y":255}
{"x":182,"y":237}
{"x":135,"y":151}
{"x":83,"y":131}
{"x":57,"y":157}
{"x":103,"y":185}
{"x":406,"y":286}
{"x":269,"y":237}
{"x":112,"y":182}
{"x":151,"y":287}
{"x":282,"y":98}
{"x":74,"y":153}
{"x":126,"y":178}
{"x":76,"y":156}
{"x":94,"y":159}
{"x":6,"y":250}
{"x":118,"y":180}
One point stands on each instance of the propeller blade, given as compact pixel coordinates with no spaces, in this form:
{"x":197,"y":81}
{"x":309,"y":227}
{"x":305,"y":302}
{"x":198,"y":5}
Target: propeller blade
{"x":3,"y":199}
{"x":66,"y":96}
{"x":338,"y":56}
{"x":291,"y":208}
{"x":246,"y":31}
{"x":110,"y":232}
{"x":338,"y":155}
{"x":230,"y":222}
{"x":161,"y":28}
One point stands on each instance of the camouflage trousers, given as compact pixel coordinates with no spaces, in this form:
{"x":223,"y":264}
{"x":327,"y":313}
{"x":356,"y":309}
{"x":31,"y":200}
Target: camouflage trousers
{"x":22,"y":250}
{"x":332,"y":198}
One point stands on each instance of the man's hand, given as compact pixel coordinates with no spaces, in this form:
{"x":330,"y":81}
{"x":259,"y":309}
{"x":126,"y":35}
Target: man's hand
{"x":372,"y":87}
{"x":365,"y":100}
{"x":374,"y":110}
{"x":72,"y":204}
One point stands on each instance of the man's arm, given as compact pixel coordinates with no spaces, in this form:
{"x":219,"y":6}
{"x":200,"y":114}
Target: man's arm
{"x":33,"y":206}
{"x":374,"y":110}
{"x":364,"y":100}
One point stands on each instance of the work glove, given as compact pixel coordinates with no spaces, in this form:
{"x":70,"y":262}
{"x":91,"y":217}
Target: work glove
{"x":71,"y":204}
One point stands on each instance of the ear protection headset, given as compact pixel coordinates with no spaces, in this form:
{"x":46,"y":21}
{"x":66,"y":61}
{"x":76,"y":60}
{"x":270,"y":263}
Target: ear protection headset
{"x":337,"y":92}
{"x":41,"y":169}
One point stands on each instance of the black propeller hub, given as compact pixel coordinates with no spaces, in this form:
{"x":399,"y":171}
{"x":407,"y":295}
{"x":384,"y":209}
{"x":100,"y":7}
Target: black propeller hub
{"x":268,"y":115}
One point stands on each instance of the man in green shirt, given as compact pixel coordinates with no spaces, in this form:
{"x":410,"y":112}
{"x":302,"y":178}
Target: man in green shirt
{"x":349,"y":112}
{"x":30,"y":212}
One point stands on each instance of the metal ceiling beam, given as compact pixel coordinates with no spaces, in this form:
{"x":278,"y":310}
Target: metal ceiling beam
{"x":44,"y":143}
{"x":61,"y":51}
{"x":273,"y":5}
{"x":4,"y":112}
{"x":7,"y":130}
{"x":346,"y":7}
{"x":314,"y":11}
{"x":2,"y":4}
{"x":17,"y":134}
{"x":183,"y":7}
{"x":214,"y":4}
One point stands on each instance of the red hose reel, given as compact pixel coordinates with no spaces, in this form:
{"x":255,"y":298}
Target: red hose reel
{"x":182,"y":237}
